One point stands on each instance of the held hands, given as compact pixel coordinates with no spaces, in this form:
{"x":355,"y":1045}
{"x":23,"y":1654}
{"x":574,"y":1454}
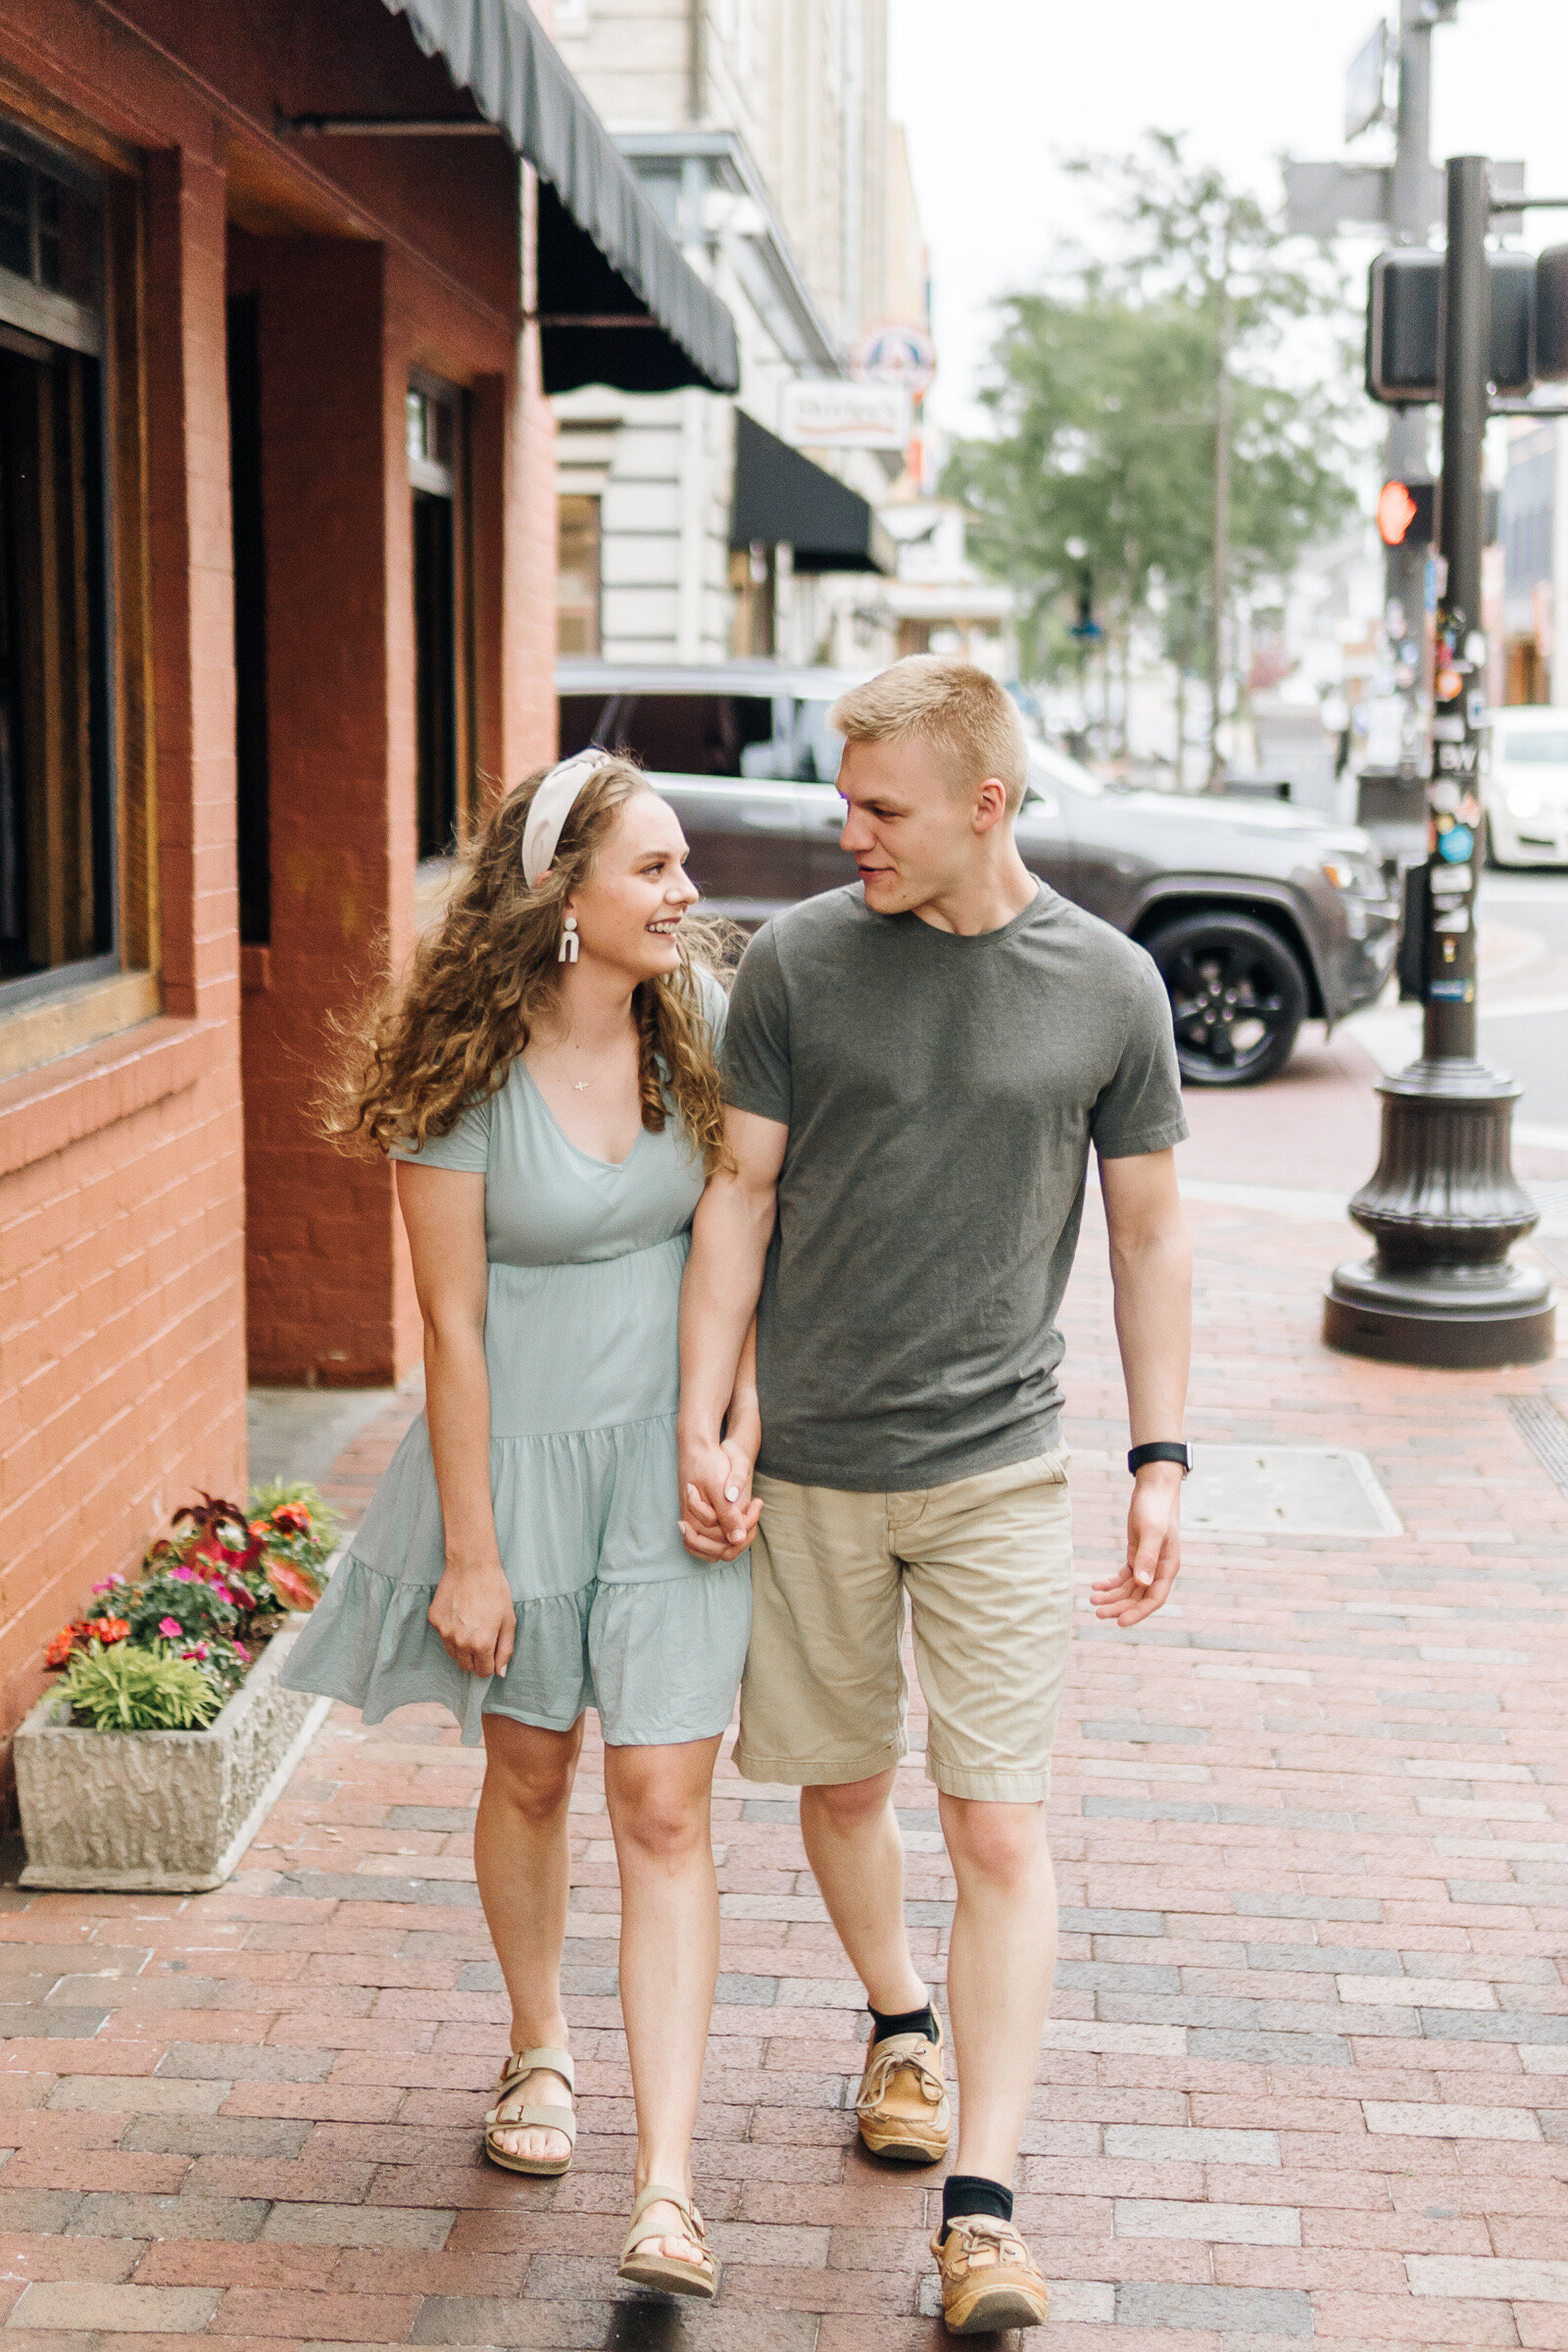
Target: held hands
{"x":718,"y":1512}
{"x":472,"y":1613}
{"x":1154,"y":1549}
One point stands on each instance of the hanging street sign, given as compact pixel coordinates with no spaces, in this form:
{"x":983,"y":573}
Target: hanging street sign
{"x":828,"y":413}
{"x":1321,"y":199}
{"x":1366,"y":84}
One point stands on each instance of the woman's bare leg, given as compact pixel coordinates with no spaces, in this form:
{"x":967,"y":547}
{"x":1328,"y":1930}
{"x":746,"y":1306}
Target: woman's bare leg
{"x":658,"y":1800}
{"x":521,"y":1860}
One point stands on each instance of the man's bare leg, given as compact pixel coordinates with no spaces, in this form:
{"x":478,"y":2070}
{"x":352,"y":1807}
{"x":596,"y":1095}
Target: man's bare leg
{"x":857,"y":1856}
{"x":1001,"y":1961}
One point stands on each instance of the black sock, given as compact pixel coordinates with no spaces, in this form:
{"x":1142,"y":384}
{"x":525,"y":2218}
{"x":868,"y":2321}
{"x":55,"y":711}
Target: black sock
{"x":909,"y":2020}
{"x":963,"y":2193}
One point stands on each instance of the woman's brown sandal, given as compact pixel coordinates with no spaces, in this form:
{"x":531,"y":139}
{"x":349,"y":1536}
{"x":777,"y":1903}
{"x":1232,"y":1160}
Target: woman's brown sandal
{"x":516,"y":2069}
{"x":668,"y":2272}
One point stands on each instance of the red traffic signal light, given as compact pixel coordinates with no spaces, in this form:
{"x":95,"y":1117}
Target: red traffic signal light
{"x":1405,"y":512}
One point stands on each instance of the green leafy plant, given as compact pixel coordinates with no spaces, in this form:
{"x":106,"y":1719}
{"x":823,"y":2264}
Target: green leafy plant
{"x":178,"y":1599}
{"x":129,"y":1688}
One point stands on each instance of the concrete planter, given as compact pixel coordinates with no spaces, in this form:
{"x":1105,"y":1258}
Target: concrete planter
{"x":160,"y":1812}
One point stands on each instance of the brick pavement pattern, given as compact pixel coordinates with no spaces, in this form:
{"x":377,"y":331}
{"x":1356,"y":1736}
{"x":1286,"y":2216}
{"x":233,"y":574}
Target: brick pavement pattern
{"x":1306,"y":2073}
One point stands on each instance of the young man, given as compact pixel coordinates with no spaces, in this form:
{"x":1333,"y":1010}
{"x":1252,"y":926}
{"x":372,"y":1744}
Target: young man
{"x":917,"y":1069}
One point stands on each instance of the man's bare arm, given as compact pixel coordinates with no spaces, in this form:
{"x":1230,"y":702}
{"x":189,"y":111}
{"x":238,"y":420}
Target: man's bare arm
{"x":1151,"y":1279}
{"x":730,"y":1234}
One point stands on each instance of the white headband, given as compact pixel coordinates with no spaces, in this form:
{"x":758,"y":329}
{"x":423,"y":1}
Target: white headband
{"x":551,"y":806}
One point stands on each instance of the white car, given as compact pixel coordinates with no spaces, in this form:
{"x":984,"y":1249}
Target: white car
{"x":1527,"y":787}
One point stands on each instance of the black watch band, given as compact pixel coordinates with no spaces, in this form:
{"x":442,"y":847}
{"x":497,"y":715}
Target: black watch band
{"x":1165,"y":1450}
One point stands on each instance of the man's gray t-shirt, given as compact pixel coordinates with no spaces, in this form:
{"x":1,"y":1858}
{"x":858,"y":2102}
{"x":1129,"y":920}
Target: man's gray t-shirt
{"x":941,"y":1095}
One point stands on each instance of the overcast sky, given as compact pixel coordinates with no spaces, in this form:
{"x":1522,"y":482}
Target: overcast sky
{"x":992,"y":90}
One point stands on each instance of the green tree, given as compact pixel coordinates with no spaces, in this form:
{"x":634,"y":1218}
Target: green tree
{"x":1146,"y":433}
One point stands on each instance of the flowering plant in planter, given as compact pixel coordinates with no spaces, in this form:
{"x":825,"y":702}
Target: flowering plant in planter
{"x":165,"y":1650}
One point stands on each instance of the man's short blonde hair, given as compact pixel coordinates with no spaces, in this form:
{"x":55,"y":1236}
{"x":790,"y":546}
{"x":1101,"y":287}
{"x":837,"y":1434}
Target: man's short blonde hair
{"x":970,"y":723}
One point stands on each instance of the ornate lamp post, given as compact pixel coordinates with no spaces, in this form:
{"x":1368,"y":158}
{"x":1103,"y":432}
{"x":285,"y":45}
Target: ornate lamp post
{"x":1443,"y":1207}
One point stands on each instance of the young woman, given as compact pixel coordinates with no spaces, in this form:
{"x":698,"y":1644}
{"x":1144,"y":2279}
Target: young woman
{"x":546,"y":1082}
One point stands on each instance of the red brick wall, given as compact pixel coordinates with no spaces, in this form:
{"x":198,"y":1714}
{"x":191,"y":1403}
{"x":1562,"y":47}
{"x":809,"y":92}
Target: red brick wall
{"x":320,"y":1240}
{"x":121,"y":1303}
{"x":331,"y":1298}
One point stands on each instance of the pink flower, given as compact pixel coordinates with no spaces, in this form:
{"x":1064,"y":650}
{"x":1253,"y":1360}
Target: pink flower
{"x":223,"y":1592}
{"x":109,"y":1584}
{"x":170,"y":1626}
{"x":183,"y":1576}
{"x":240,"y":1652}
{"x":199,"y":1652}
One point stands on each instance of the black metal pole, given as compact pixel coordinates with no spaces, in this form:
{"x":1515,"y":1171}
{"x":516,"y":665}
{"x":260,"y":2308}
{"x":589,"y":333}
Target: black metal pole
{"x":1443,"y":1207}
{"x":1448,"y":1012}
{"x":1406,"y":456}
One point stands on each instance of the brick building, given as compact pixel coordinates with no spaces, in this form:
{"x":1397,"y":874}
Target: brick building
{"x":278,"y":552}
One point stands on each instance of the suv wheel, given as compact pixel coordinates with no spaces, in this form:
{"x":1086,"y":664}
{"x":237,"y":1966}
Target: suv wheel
{"x":1238,"y":995}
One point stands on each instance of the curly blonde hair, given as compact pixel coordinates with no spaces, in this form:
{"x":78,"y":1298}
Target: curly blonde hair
{"x":486,"y":970}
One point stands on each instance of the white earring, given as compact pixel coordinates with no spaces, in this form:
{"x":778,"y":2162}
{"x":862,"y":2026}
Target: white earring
{"x":568,"y":940}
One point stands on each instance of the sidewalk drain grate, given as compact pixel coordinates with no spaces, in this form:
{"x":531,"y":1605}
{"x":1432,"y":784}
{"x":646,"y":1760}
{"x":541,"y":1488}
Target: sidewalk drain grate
{"x":1286,"y":1490}
{"x":1545,"y":1432}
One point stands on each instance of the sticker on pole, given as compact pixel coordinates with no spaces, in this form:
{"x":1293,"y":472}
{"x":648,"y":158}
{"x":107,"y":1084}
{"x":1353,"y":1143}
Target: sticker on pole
{"x":1455,"y":846}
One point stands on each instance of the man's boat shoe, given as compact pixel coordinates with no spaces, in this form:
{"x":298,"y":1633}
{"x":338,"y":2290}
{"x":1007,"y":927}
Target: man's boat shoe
{"x":902,"y":2101}
{"x":989,"y":2277}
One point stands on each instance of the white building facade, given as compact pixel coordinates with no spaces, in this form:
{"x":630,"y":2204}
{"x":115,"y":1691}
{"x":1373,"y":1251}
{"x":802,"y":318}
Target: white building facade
{"x":759,"y":130}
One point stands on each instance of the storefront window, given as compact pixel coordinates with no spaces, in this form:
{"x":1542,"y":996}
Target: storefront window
{"x":577,"y":577}
{"x":753,"y":616}
{"x":56,"y":865}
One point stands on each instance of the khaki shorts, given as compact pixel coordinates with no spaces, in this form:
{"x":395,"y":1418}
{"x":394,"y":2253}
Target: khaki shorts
{"x":987,"y":1563}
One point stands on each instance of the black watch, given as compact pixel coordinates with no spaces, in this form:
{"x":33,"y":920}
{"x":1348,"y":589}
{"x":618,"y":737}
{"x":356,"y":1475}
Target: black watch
{"x":1165,"y":1450}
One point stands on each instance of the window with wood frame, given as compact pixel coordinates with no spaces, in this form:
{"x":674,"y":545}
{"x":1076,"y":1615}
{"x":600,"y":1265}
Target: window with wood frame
{"x":57,"y":838}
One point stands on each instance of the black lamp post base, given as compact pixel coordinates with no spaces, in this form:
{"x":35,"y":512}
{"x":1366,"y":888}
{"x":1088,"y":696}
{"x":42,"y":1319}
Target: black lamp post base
{"x":1459,"y":1318}
{"x":1443,"y":1208}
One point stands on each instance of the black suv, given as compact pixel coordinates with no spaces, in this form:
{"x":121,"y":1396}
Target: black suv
{"x":1258,"y":916}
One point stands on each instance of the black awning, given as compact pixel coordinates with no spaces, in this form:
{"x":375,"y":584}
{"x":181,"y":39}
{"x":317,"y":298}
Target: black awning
{"x":618,"y":304}
{"x":592,"y":328}
{"x":782,"y":497}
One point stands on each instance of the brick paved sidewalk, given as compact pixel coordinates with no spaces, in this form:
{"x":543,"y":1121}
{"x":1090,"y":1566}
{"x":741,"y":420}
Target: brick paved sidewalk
{"x":1307,"y":2068}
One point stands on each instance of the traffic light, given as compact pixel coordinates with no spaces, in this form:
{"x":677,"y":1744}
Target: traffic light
{"x":1407,"y":514}
{"x":1404,"y":324}
{"x":1552,"y":314}
{"x":1086,"y":628}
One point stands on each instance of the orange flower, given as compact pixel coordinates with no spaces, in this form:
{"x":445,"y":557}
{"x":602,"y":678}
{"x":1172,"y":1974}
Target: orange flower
{"x":108,"y":1629}
{"x":59,"y":1648}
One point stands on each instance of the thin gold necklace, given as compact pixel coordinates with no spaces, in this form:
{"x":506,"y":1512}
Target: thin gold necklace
{"x":580,"y":1086}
